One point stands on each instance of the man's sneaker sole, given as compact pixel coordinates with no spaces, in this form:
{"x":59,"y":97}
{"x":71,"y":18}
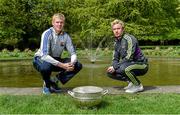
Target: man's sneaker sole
{"x":135,"y":89}
{"x":139,"y":90}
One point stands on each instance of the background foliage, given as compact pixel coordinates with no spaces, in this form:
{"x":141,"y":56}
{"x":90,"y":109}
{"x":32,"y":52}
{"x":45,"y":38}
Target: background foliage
{"x":88,"y":21}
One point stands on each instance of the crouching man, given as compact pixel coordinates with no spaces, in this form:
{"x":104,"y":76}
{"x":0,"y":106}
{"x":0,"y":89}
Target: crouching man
{"x":48,"y":58}
{"x":128,"y":60}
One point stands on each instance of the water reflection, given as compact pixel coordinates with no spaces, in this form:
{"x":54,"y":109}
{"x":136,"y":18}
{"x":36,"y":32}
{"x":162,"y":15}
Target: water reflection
{"x":163,"y":71}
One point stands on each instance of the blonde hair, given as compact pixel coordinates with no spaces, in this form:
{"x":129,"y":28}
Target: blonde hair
{"x":58,"y":15}
{"x":118,"y":22}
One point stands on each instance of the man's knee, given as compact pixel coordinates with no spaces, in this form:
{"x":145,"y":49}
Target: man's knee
{"x":121,"y":70}
{"x":78,"y":66}
{"x":45,"y":67}
{"x":36,"y":64}
{"x":111,"y":75}
{"x":117,"y":76}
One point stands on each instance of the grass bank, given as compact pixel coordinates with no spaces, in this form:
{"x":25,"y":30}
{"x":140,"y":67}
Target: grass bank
{"x":116,"y":104}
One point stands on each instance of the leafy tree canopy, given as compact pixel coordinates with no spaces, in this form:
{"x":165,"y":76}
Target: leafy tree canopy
{"x":23,"y":21}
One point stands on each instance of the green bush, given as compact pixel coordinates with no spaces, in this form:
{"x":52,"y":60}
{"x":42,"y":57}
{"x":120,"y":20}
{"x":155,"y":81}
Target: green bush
{"x":99,"y":52}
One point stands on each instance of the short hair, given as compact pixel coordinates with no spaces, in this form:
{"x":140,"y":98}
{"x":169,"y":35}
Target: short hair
{"x":58,"y":15}
{"x":118,"y":22}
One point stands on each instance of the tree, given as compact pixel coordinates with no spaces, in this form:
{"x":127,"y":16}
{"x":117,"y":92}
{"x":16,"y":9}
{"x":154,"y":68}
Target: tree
{"x":12,"y":20}
{"x":87,"y":21}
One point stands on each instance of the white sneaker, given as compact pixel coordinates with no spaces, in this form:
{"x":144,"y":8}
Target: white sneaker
{"x":130,"y":84}
{"x":135,"y":89}
{"x":46,"y":90}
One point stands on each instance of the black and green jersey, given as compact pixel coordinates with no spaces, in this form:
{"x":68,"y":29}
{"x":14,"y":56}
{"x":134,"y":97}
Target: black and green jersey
{"x":126,"y":49}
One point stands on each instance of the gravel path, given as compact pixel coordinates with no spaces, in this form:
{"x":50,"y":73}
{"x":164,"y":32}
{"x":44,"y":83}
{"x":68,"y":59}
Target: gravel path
{"x":112,"y":90}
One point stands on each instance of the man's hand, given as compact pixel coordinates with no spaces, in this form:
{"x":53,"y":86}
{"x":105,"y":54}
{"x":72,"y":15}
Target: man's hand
{"x":111,"y":69}
{"x":70,"y":67}
{"x":66,"y":66}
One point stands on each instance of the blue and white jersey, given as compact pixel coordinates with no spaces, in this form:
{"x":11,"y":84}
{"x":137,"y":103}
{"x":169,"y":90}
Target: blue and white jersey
{"x":53,"y":44}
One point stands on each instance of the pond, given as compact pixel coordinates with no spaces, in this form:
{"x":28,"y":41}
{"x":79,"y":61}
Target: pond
{"x":20,"y":73}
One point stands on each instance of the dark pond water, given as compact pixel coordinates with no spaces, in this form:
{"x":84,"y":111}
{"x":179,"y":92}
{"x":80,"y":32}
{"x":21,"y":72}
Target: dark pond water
{"x":162,"y":71}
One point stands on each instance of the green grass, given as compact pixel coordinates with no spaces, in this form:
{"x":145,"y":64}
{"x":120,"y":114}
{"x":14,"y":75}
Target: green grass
{"x":111,"y":104}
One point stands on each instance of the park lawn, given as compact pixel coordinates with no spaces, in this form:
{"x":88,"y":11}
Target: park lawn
{"x":155,"y":103}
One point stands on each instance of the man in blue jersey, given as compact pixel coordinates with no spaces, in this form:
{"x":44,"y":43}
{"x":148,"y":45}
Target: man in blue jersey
{"x":128,"y":60}
{"x":48,"y":58}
